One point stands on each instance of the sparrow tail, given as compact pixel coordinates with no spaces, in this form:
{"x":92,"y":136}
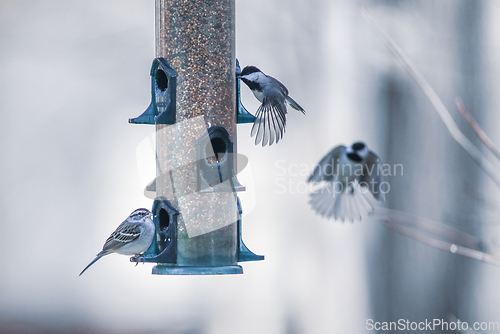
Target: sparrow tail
{"x":101,"y":254}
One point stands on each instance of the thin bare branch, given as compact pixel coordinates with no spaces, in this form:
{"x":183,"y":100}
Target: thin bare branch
{"x":429,"y":226}
{"x":432,"y":234}
{"x":444,"y":245}
{"x":435,"y":101}
{"x":480,"y":133}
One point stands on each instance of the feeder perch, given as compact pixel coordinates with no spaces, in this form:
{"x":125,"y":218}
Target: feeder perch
{"x":164,"y":246}
{"x":244,"y":254}
{"x":243,"y":115}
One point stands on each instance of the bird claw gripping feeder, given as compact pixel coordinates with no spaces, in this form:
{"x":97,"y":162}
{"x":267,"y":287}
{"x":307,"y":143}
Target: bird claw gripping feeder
{"x":195,"y":107}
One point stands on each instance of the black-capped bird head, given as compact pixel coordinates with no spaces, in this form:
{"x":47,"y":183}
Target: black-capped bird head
{"x":357,"y":152}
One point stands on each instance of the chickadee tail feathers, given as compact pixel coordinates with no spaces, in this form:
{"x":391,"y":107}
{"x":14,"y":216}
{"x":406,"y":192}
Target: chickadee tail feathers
{"x":101,"y":254}
{"x":295,"y":105}
{"x":340,"y":202}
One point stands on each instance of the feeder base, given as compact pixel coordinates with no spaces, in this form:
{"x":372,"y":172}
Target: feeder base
{"x":180,"y":270}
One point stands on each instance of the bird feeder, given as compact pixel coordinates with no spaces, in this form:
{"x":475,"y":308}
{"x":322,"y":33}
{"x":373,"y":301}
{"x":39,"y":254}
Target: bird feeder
{"x":195,"y":107}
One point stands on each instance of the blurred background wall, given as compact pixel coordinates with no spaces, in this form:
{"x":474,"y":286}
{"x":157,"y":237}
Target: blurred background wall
{"x":73,"y":72}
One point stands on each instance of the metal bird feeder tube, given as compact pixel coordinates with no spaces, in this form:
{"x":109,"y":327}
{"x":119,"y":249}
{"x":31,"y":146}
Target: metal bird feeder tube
{"x":194,"y":108}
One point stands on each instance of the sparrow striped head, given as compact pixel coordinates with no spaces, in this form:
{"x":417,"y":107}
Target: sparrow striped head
{"x":140,"y":213}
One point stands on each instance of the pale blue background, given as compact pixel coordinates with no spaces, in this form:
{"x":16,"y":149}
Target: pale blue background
{"x":73,"y":72}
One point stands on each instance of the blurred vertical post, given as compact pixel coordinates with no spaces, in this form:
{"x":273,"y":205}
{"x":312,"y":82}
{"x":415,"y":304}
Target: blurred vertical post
{"x":197,"y":38}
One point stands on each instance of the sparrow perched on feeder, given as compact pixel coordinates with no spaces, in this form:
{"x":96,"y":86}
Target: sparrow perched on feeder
{"x":348,"y":173}
{"x":270,"y":122}
{"x":132,"y":237}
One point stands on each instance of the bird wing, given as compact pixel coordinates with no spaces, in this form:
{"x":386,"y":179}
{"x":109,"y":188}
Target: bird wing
{"x":270,"y":121}
{"x":326,"y":169}
{"x":335,"y":201}
{"x":124,"y":234}
{"x":324,"y":200}
{"x":283,"y":89}
{"x":290,"y":101}
{"x":372,"y":176}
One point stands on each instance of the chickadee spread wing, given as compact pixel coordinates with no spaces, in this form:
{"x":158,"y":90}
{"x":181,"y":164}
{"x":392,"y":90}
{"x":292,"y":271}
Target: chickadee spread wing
{"x":338,"y":201}
{"x":269,"y":125}
{"x":324,"y":199}
{"x":326,"y":169}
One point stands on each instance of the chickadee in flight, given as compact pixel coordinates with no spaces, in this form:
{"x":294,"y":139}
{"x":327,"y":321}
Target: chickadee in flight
{"x":270,"y":122}
{"x":349,"y":173}
{"x":132,"y":237}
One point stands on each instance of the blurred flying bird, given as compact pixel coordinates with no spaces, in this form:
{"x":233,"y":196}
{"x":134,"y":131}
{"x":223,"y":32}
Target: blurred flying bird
{"x":347,"y":174}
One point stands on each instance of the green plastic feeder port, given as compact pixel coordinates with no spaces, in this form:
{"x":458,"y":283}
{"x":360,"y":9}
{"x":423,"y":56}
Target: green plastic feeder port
{"x":161,"y":110}
{"x":215,"y":161}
